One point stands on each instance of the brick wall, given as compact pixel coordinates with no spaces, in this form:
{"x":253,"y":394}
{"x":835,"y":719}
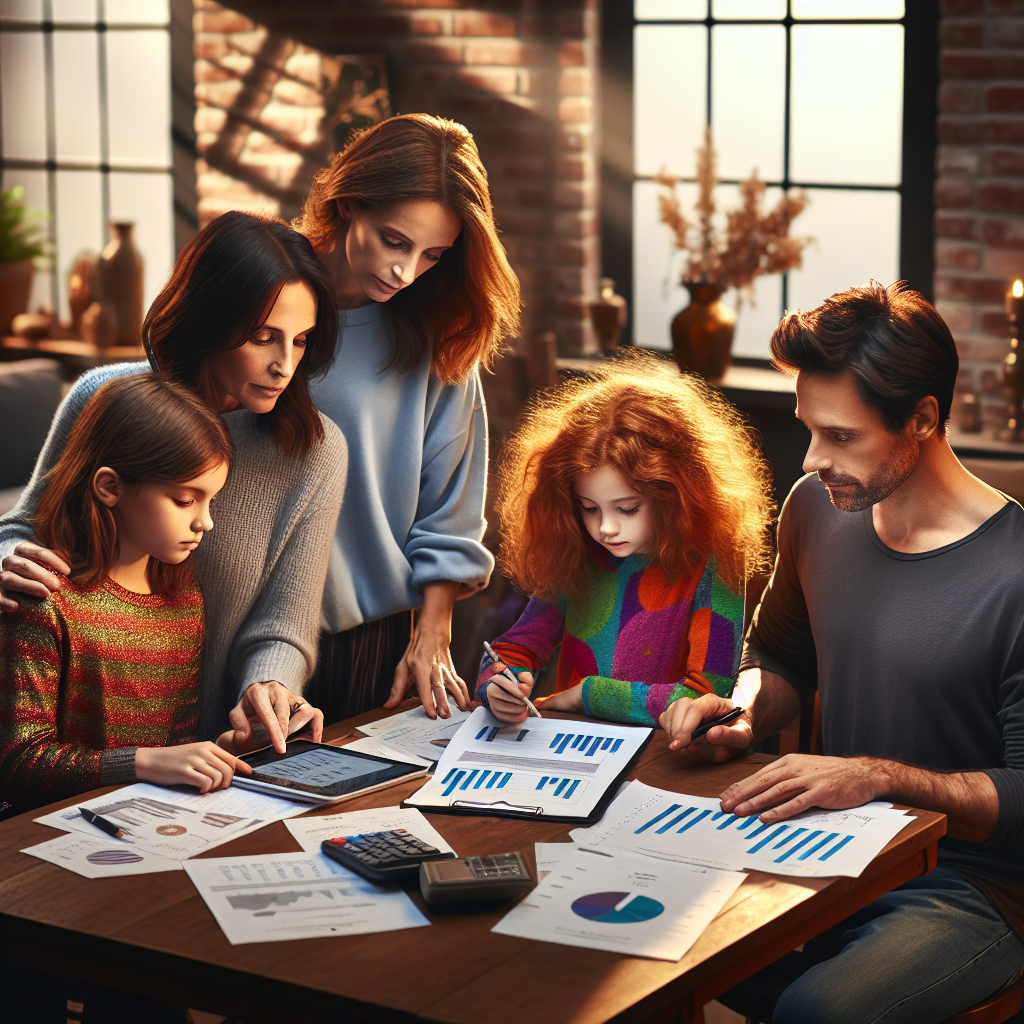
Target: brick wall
{"x":980,"y":190}
{"x":520,"y":75}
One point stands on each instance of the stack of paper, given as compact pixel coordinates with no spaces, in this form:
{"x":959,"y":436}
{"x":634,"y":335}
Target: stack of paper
{"x":296,"y":896}
{"x":163,"y":825}
{"x":695,"y":830}
{"x":411,"y":735}
{"x":610,"y":899}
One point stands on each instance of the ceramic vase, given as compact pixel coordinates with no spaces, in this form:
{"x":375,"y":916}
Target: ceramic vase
{"x":15,"y":288}
{"x":119,"y":284}
{"x":702,"y":333}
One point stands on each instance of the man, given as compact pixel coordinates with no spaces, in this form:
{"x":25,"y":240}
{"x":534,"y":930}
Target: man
{"x":898,"y":593}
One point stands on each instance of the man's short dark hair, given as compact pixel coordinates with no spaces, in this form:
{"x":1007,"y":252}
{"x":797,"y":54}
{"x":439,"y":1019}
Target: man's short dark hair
{"x":891,"y":339}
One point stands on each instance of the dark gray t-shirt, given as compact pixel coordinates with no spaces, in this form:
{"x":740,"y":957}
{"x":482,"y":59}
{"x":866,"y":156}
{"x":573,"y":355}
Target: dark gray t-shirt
{"x":917,"y":657}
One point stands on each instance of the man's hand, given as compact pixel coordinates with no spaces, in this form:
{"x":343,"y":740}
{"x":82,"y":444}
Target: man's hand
{"x":719,"y":743}
{"x":505,"y":699}
{"x":797,"y":782}
{"x":277,"y":712}
{"x":23,"y":574}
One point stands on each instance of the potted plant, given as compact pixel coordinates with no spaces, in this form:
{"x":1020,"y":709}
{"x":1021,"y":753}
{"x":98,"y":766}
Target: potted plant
{"x":754,"y":242}
{"x":21,"y":243}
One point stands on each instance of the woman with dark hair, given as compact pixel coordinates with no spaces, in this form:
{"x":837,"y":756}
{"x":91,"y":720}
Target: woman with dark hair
{"x":246,"y":319}
{"x":403,"y":221}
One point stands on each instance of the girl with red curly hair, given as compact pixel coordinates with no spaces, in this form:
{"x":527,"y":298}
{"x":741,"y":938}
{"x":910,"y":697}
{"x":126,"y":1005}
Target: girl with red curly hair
{"x":634,"y":506}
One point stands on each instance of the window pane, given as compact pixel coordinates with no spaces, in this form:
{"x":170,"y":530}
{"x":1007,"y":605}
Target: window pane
{"x":748,"y":99}
{"x":138,"y":12}
{"x":847,"y":8}
{"x":857,"y":236}
{"x":79,"y":223}
{"x":34,"y":184}
{"x":76,"y":94}
{"x":670,"y":10}
{"x":669,"y":96}
{"x":147,"y":200}
{"x":657,"y":294}
{"x":74,"y":10}
{"x":139,"y":77}
{"x":749,"y":10}
{"x":22,"y":10}
{"x":22,"y":84}
{"x":847,"y":104}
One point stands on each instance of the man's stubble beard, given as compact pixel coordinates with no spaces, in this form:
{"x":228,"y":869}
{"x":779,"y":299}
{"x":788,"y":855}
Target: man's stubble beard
{"x":901,"y":463}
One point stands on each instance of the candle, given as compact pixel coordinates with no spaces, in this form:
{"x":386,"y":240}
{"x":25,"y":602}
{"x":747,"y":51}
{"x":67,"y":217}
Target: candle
{"x":1015,"y":302}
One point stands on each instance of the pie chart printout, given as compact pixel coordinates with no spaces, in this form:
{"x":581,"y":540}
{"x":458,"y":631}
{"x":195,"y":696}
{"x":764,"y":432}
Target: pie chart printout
{"x":617,"y":907}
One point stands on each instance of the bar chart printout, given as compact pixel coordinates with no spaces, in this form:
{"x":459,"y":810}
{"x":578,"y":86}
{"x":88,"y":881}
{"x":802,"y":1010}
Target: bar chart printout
{"x":541,"y":766}
{"x":696,"y":830}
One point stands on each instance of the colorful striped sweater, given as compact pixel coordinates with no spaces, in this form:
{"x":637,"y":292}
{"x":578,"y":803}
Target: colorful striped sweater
{"x":635,"y":641}
{"x":85,"y":678}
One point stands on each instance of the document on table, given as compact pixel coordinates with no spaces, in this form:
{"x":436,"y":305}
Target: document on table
{"x":695,"y":830}
{"x":413,"y":732}
{"x":281,"y":896}
{"x":376,"y":747}
{"x":610,"y":899}
{"x":311,"y":832}
{"x":99,"y":858}
{"x":548,"y":855}
{"x":176,"y":823}
{"x":543,"y":766}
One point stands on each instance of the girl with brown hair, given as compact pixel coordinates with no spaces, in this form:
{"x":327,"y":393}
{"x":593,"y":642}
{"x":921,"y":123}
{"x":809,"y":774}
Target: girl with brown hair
{"x":633,"y":507}
{"x":99,"y":684}
{"x":245,"y":321}
{"x":403,"y":221}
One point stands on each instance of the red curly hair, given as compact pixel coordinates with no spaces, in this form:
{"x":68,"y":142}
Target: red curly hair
{"x":676,"y":440}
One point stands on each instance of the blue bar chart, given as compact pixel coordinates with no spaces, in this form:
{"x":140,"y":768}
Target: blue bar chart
{"x":587,"y":744}
{"x":785,"y":840}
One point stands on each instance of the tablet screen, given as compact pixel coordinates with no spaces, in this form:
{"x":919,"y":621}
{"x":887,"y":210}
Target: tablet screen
{"x":324,"y":770}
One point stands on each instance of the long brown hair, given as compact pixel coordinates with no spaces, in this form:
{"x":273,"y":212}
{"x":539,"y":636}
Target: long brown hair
{"x":467,"y":305}
{"x":223,"y":286}
{"x":145,"y":428}
{"x":677,"y":441}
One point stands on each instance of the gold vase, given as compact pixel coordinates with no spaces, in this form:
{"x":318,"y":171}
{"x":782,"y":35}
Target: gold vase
{"x":119,"y":284}
{"x":702,"y":333}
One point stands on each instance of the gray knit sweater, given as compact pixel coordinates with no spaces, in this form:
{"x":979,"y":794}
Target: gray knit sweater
{"x":261,"y":568}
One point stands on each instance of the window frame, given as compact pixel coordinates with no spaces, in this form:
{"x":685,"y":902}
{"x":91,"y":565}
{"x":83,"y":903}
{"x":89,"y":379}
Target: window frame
{"x":919,"y":142}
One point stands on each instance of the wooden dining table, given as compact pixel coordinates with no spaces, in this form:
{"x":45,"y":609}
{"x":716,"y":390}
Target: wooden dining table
{"x":153,"y":934}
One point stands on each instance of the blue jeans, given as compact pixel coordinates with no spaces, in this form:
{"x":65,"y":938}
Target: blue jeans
{"x":917,"y":955}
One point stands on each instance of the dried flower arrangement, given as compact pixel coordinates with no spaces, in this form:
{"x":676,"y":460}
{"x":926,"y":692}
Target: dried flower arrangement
{"x":753,"y":243}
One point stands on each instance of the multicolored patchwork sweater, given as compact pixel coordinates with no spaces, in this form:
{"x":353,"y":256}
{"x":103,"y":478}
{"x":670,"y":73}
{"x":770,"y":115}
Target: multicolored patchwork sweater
{"x":86,"y":677}
{"x":635,"y":641}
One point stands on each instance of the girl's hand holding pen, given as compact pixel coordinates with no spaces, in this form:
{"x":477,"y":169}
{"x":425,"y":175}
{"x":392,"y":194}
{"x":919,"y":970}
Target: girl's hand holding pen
{"x":505,"y":698}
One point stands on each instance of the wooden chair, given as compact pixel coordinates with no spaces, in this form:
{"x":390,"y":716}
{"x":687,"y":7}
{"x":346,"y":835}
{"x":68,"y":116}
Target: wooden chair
{"x":1003,"y":1005}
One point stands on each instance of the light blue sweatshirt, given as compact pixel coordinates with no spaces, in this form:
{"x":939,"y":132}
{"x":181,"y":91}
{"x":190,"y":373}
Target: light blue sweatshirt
{"x":417,"y":473}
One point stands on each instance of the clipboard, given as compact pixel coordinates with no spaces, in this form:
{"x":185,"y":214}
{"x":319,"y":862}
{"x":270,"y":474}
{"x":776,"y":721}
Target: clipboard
{"x":477,"y":804}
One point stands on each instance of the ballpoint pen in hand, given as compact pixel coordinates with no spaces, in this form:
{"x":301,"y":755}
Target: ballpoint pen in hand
{"x":506,"y":673}
{"x":729,"y":716}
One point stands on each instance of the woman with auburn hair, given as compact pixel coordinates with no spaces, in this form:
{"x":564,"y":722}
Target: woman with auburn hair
{"x":634,"y":506}
{"x":245,"y":320}
{"x":403,"y":221}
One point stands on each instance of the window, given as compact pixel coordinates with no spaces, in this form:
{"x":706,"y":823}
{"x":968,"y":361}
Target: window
{"x":85,"y":102}
{"x":808,"y":92}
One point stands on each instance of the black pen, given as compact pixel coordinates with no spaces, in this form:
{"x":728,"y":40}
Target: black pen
{"x":102,"y":823}
{"x":730,"y":716}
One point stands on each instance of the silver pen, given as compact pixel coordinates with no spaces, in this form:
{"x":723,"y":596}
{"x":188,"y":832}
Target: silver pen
{"x":508,"y":674}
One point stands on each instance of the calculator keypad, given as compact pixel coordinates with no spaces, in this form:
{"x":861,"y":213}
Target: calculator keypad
{"x":389,"y":849}
{"x":498,"y":865}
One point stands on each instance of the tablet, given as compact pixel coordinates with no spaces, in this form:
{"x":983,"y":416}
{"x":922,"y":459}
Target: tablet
{"x":321,"y":773}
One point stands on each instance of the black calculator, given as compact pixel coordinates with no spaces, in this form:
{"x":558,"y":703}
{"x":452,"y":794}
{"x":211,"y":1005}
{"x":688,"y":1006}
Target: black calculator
{"x":391,"y":856}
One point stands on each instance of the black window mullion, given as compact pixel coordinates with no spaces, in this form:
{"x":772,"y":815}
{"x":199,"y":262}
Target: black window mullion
{"x":101,"y":70}
{"x":51,"y":153}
